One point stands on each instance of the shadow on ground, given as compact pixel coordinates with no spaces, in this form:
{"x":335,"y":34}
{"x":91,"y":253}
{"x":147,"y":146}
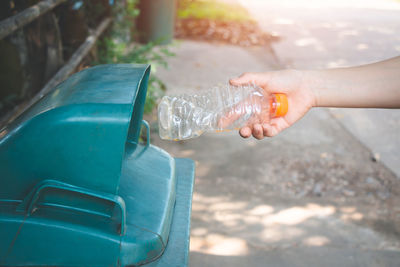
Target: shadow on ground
{"x":310,"y":189}
{"x":312,"y":196}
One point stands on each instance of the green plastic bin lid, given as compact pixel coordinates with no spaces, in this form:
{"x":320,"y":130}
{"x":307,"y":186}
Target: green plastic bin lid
{"x":76,"y":187}
{"x":85,"y":121}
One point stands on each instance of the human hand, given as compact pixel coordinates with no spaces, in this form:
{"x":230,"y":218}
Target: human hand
{"x":294,"y":84}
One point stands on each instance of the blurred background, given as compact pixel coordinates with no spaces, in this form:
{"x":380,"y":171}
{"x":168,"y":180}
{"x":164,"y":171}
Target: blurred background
{"x":325,"y":192}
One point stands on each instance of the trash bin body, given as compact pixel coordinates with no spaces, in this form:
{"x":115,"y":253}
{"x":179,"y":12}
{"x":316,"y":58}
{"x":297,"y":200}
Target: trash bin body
{"x":77,"y":187}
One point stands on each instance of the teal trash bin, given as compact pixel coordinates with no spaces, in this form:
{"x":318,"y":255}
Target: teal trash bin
{"x":156,"y":21}
{"x":77,"y":187}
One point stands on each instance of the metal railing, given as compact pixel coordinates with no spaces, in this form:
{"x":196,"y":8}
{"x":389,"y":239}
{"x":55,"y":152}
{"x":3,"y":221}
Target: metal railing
{"x":13,"y":23}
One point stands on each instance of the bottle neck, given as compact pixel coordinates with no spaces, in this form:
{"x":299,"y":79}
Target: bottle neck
{"x":278,"y":105}
{"x":273,"y":106}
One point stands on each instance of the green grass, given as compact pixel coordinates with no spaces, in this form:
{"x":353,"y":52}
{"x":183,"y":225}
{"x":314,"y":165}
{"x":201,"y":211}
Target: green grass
{"x":209,"y":9}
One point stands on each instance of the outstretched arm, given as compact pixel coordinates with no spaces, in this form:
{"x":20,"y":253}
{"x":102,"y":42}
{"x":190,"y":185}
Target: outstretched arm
{"x":368,"y":86}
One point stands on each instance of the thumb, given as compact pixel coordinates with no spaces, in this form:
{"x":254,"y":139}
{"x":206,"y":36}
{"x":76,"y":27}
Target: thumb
{"x":245,"y":78}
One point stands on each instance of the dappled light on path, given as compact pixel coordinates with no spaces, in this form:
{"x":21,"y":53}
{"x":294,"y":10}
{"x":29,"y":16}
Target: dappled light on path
{"x":216,"y":244}
{"x":245,"y":199}
{"x":313,"y":195}
{"x":223,"y":226}
{"x":296,"y":215}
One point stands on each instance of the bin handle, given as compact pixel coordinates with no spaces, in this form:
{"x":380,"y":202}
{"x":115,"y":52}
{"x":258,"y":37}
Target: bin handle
{"x":29,"y":203}
{"x":146,"y":124}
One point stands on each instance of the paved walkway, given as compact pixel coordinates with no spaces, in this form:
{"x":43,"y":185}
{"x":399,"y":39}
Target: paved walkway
{"x":311,"y":196}
{"x":340,"y":33}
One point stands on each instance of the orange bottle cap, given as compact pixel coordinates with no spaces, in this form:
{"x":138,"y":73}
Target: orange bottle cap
{"x":282,"y":105}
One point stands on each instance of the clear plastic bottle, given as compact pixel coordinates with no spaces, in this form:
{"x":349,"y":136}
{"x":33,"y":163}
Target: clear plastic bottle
{"x":223,"y":108}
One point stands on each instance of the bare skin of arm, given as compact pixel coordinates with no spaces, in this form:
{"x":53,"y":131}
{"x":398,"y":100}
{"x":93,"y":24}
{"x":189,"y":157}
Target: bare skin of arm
{"x":368,"y":86}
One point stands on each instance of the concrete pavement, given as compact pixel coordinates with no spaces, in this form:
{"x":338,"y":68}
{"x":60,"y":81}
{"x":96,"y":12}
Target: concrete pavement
{"x":330,"y":33}
{"x":311,"y":196}
{"x":340,"y":33}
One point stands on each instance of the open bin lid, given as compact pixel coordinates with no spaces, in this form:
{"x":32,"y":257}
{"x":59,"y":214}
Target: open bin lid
{"x":95,"y":112}
{"x":76,"y":187}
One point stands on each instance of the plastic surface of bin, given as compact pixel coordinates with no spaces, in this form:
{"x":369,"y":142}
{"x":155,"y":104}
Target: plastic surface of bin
{"x":76,"y":187}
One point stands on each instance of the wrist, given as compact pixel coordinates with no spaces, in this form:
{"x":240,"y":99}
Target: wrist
{"x":311,"y":84}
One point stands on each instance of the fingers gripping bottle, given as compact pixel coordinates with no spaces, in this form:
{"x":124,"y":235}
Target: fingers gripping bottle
{"x":223,"y":108}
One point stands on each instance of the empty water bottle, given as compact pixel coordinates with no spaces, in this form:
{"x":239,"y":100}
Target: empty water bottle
{"x":222,"y":108}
